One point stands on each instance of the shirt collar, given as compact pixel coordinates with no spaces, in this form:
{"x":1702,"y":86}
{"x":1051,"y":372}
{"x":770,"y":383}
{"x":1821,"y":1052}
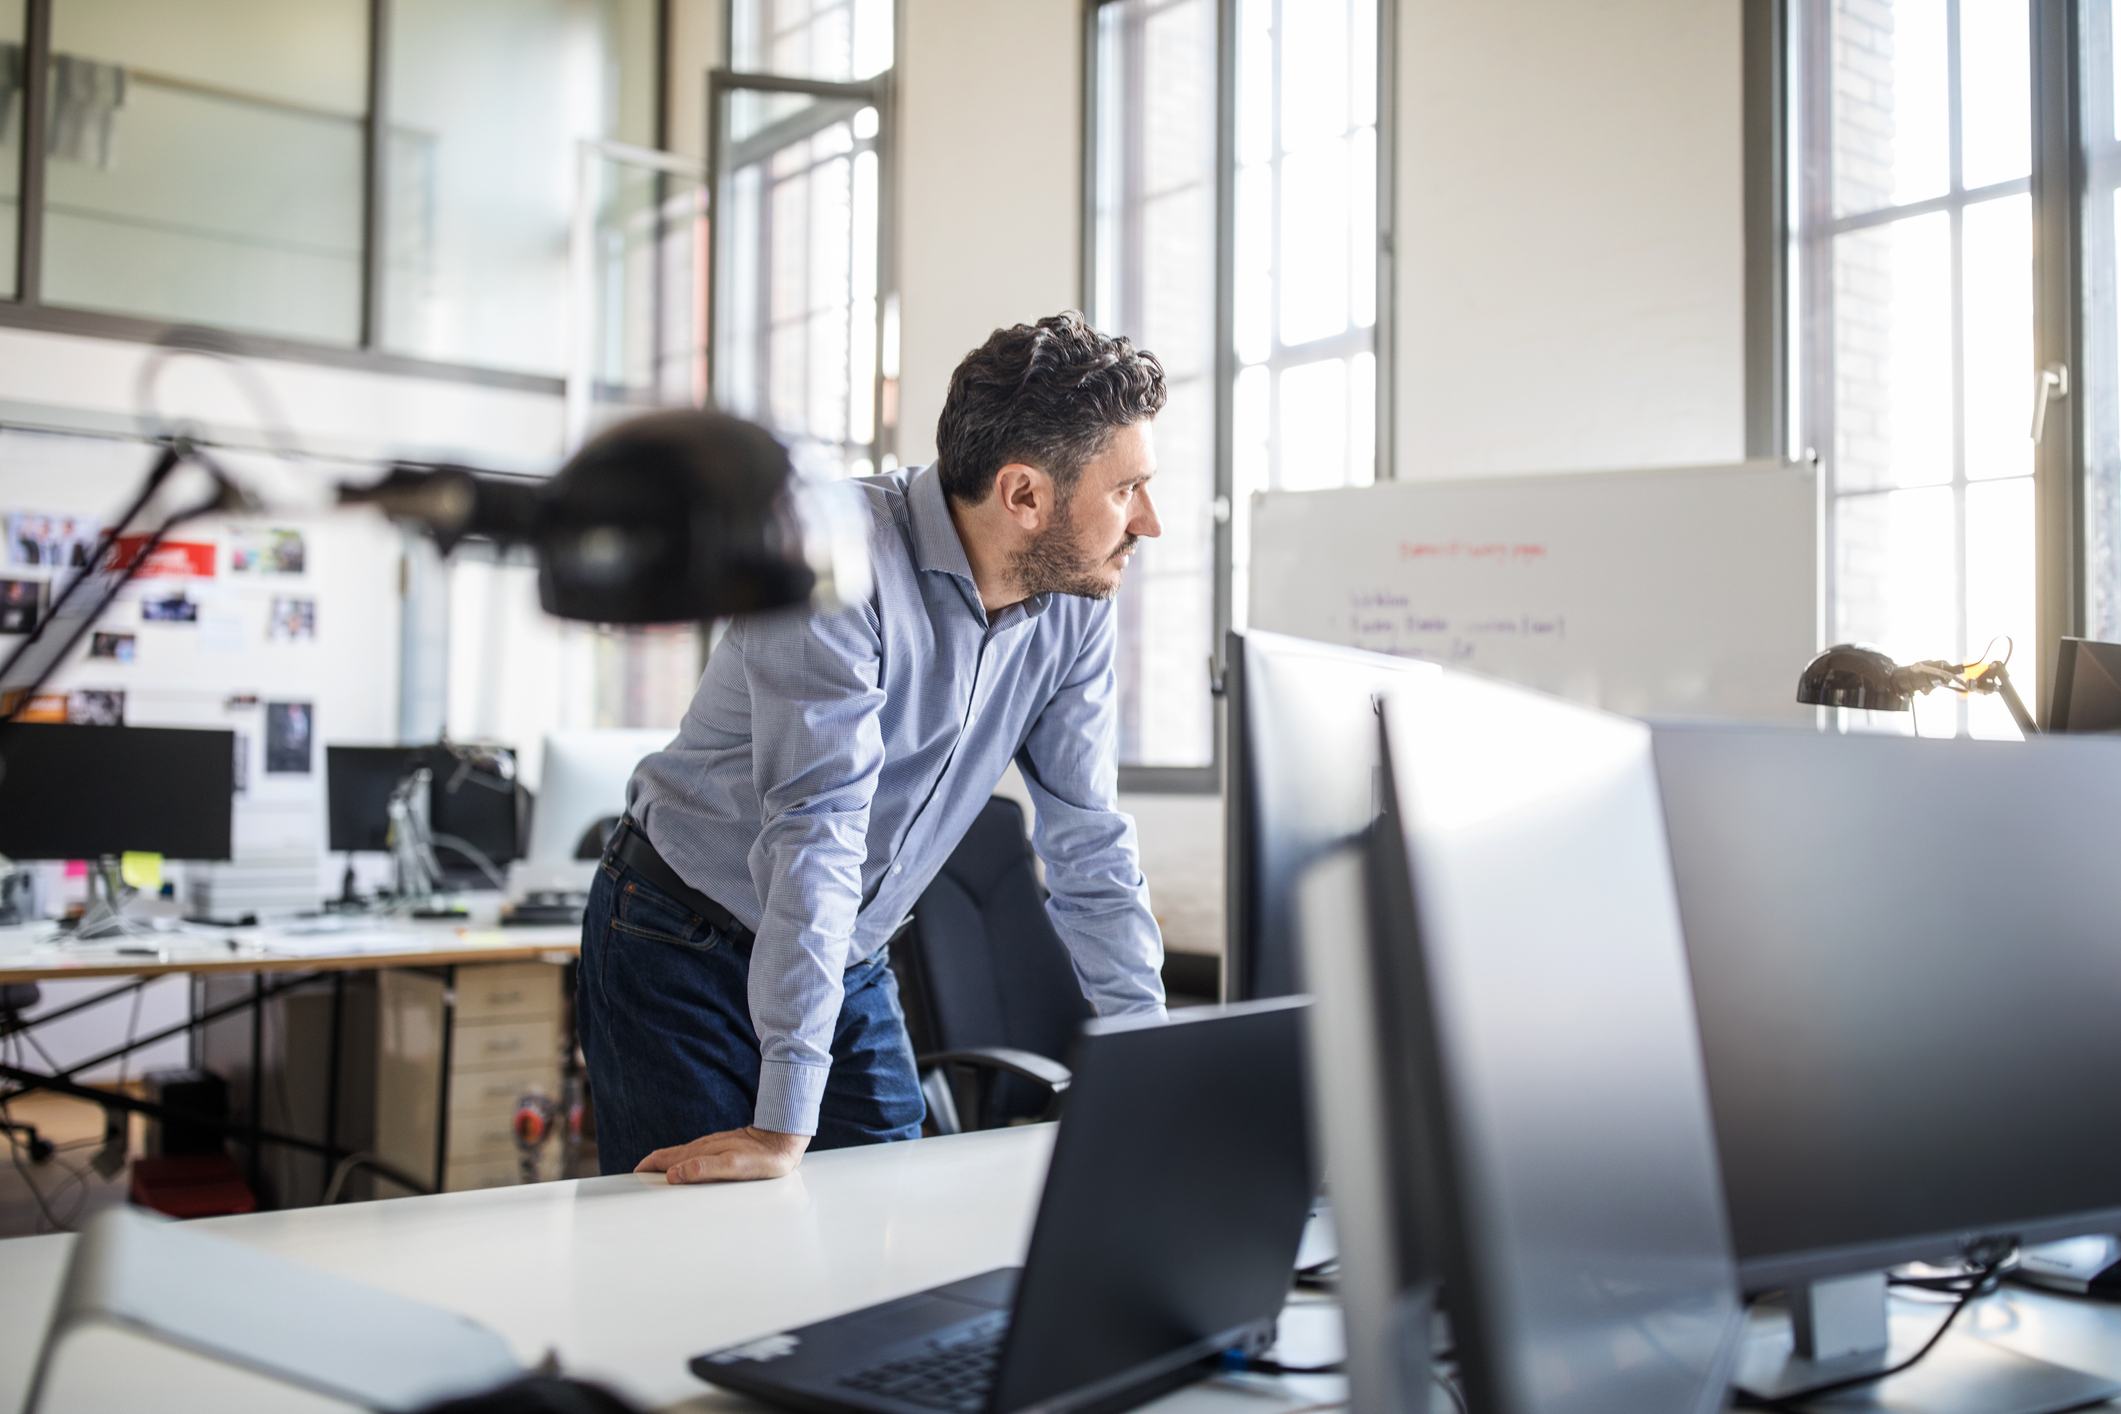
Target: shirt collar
{"x":936,"y":546}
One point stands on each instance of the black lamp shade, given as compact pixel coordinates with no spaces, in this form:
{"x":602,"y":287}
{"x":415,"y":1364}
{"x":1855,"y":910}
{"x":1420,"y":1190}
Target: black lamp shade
{"x":1854,"y":675}
{"x":671,"y":517}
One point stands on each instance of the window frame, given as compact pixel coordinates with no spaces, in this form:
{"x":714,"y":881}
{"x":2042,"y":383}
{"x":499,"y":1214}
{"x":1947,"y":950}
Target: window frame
{"x":1784,"y":259}
{"x":1207,"y":779}
{"x":877,"y":93}
{"x":28,"y":310}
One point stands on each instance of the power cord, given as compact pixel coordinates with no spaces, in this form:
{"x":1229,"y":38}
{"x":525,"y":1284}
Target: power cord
{"x":1990,"y":1263}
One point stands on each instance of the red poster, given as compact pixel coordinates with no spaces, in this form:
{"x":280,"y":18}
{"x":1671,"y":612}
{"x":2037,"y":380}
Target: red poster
{"x":172,"y":559}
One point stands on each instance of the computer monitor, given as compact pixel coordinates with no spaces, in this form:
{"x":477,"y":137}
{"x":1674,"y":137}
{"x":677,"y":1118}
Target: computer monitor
{"x":474,"y":804}
{"x":1550,"y":1144}
{"x":2087,"y":693}
{"x":1904,"y":959}
{"x":581,"y":785}
{"x":358,"y":782}
{"x":1303,"y":777}
{"x":71,"y":792}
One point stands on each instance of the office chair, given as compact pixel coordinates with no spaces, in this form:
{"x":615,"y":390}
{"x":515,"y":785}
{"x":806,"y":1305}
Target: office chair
{"x":15,"y":999}
{"x":992,"y":1003}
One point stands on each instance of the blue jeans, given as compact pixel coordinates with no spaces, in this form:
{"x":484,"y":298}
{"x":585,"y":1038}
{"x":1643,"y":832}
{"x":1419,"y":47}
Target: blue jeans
{"x":661,"y":999}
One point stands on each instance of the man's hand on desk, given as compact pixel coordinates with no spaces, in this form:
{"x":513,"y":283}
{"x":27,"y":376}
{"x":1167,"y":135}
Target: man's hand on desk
{"x":734,"y":1154}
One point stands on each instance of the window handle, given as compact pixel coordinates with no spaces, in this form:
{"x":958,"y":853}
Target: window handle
{"x":2053,"y":383}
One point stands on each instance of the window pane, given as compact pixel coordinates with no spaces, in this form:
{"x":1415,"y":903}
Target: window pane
{"x":645,"y":344}
{"x":1890,"y":127}
{"x":1155,"y":282}
{"x":192,"y":178}
{"x":1995,"y":58}
{"x":1999,"y":594}
{"x":797,"y":332}
{"x":1315,"y":59}
{"x":1893,"y":355}
{"x":488,"y":101}
{"x":829,"y":39}
{"x":1314,"y":426}
{"x":1998,"y":258}
{"x":1315,"y":201}
{"x":10,"y":152}
{"x":1895,"y":583}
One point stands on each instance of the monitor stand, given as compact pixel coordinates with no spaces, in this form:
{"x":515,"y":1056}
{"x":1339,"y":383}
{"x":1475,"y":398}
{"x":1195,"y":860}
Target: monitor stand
{"x":1843,"y":1327}
{"x":108,"y":894}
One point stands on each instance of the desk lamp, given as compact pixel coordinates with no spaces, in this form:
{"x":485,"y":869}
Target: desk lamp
{"x":1856,"y":675}
{"x":671,"y":517}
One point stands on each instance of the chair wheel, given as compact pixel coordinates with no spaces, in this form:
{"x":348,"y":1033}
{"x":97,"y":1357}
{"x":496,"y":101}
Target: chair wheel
{"x":41,"y":1149}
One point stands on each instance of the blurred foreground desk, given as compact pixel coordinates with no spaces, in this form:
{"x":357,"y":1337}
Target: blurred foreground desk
{"x":469,"y":1018}
{"x":625,"y":1278}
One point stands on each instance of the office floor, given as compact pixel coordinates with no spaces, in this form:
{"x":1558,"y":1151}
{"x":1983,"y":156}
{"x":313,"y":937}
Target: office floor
{"x":72,"y":1189}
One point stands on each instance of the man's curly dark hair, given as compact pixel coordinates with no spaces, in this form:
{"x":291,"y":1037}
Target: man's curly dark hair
{"x":1049,"y":395}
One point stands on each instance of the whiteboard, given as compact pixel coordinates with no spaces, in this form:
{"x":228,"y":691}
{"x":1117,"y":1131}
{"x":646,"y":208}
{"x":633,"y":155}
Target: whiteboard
{"x":1676,"y":592}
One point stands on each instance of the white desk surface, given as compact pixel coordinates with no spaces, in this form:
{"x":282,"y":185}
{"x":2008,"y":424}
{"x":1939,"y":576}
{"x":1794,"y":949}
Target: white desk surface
{"x":627,"y":1278}
{"x":27,"y":955}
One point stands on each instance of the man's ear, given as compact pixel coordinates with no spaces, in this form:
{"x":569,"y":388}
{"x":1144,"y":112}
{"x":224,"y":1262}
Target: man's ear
{"x":1025,"y":494}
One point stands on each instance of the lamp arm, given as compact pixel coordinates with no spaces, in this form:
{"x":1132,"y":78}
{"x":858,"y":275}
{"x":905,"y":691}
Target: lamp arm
{"x":1996,"y":678}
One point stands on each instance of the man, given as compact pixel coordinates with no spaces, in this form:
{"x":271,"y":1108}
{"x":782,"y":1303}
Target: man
{"x":735,"y":1001}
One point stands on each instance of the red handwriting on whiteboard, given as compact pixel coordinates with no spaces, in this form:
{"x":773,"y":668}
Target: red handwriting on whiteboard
{"x":1501,"y":551}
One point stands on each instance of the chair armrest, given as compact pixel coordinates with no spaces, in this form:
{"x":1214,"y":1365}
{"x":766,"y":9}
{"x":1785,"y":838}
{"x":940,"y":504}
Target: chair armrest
{"x":1028,"y":1064}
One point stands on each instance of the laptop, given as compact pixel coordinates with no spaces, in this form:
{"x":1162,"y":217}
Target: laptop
{"x":1166,"y":1235}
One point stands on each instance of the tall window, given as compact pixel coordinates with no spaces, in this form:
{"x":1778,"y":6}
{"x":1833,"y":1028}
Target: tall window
{"x":800,"y":170}
{"x":2098,"y":395}
{"x":1269,"y":337}
{"x":1915,"y":366}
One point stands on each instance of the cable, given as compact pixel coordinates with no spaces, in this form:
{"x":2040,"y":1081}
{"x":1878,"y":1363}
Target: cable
{"x":76,"y":1177}
{"x":1978,"y":1284}
{"x":1450,"y":1387}
{"x":472,"y":852}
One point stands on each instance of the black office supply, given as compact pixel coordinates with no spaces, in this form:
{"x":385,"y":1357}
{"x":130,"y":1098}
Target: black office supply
{"x":474,"y":802}
{"x":1171,"y":1213}
{"x":2087,"y":694}
{"x":1903,"y":957}
{"x":1554,"y":1144}
{"x":1303,"y":777}
{"x":358,"y":782}
{"x":70,"y":792}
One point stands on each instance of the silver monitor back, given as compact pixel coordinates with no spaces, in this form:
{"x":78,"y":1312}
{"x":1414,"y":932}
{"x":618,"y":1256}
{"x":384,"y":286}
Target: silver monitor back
{"x":1560,"y":1163}
{"x":1303,"y":780}
{"x":1907,"y":960}
{"x":582,"y":780}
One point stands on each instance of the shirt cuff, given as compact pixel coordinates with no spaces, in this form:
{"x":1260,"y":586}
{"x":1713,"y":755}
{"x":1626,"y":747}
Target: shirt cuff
{"x":790,"y":1095}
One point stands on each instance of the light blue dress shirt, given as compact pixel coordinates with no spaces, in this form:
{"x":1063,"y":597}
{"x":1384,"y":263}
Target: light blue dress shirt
{"x":830,"y":762}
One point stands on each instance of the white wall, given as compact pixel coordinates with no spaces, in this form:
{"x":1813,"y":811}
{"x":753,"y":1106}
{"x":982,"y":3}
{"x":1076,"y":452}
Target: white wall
{"x":1571,"y":241}
{"x":989,"y":218}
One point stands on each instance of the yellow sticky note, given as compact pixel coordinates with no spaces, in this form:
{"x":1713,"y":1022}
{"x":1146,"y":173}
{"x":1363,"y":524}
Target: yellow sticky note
{"x":141,"y":871}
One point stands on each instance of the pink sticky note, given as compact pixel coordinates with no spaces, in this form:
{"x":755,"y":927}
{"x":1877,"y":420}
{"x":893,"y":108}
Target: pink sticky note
{"x":77,"y":869}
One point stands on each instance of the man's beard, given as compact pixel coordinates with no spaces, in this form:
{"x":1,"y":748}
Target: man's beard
{"x":1057,"y":563}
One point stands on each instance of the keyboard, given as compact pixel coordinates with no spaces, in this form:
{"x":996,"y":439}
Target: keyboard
{"x":955,"y":1373}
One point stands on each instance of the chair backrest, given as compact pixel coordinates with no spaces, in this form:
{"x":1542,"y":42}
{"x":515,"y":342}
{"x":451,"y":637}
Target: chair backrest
{"x":980,"y":964}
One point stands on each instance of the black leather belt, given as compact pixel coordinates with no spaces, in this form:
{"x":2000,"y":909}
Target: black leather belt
{"x":631,"y":848}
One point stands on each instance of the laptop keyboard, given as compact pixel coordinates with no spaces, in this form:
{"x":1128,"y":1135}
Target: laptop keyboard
{"x":953,"y":1373}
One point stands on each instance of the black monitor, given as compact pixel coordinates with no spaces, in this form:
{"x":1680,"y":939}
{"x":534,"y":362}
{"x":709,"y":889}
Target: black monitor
{"x":474,"y":804}
{"x":2087,"y":692}
{"x":1549,"y":1139}
{"x":1303,"y":777}
{"x":71,"y":792}
{"x":1904,"y":956}
{"x":358,"y":781}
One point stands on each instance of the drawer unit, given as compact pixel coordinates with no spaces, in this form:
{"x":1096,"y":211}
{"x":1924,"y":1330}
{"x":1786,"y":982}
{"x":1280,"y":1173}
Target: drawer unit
{"x":456,"y":1051}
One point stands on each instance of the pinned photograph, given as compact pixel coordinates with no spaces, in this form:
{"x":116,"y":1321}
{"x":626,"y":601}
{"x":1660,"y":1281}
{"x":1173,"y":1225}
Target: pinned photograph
{"x":170,"y":609}
{"x":21,"y":605}
{"x":47,"y":541}
{"x":117,"y":646}
{"x":95,"y":707}
{"x":293,"y":620}
{"x":262,"y":551}
{"x":287,"y":738}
